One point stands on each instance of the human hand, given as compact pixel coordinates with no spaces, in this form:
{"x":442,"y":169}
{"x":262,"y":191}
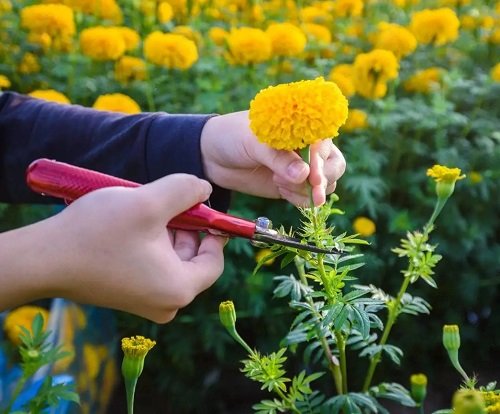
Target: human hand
{"x":115,"y":251}
{"x":233,"y":158}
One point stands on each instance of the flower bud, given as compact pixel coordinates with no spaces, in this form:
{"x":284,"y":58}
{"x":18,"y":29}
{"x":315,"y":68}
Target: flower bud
{"x":418,"y":388}
{"x":451,"y":337}
{"x":468,"y":401}
{"x":135,"y":350}
{"x":227,"y":315}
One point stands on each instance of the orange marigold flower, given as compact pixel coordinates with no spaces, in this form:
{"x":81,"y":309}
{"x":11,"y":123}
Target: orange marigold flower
{"x":169,"y":50}
{"x":117,"y":102}
{"x":102,"y":43}
{"x":248,"y":45}
{"x":286,"y":39}
{"x":294,"y":115}
{"x":436,"y":26}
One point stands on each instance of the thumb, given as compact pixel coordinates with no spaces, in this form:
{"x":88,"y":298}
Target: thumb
{"x":287,"y":164}
{"x":175,"y":193}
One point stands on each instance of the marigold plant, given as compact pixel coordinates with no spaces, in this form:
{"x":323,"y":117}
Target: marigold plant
{"x":172,"y":51}
{"x":435,"y":26}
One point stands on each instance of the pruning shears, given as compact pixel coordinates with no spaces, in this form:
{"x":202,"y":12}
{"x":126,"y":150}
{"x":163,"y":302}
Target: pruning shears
{"x":69,"y":182}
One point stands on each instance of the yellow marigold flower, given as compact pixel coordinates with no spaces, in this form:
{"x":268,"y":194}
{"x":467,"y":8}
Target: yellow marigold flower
{"x":487,"y":22}
{"x":261,"y":254}
{"x":22,"y":316}
{"x":436,"y":26}
{"x":468,"y":22}
{"x":129,"y":36}
{"x":372,"y":70}
{"x":495,"y":72}
{"x":41,"y":39}
{"x":424,"y":81}
{"x":475,"y":177}
{"x":397,"y":39}
{"x":4,"y":82}
{"x":29,"y":64}
{"x":135,"y":350}
{"x":317,"y":32}
{"x":189,"y":33}
{"x":248,"y":45}
{"x":348,"y":8}
{"x":103,"y":9}
{"x":53,"y":19}
{"x":148,"y":7}
{"x":313,"y":14}
{"x":137,"y":346}
{"x":117,"y":102}
{"x":218,"y":35}
{"x":129,"y":68}
{"x":5,"y":6}
{"x":467,"y":401}
{"x":357,"y":119}
{"x":356,"y":29}
{"x":494,"y":37}
{"x":440,"y":173}
{"x":454,"y":3}
{"x":165,"y":12}
{"x":294,"y":115}
{"x":50,"y":95}
{"x":343,"y":76}
{"x":284,"y":66}
{"x":169,"y":50}
{"x":102,"y":43}
{"x":364,"y":226}
{"x":286,"y":39}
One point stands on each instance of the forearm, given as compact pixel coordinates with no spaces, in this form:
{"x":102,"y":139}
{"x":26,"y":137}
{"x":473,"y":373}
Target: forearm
{"x":30,"y":263}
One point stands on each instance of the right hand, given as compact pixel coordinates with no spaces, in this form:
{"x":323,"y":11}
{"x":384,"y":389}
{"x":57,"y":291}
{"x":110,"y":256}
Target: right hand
{"x":115,"y":251}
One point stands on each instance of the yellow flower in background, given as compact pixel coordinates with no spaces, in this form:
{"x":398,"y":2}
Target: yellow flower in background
{"x":495,"y":72}
{"x":494,"y":36}
{"x":117,"y":102}
{"x":357,"y":119}
{"x":171,"y":51}
{"x":102,"y":43}
{"x":454,"y":3}
{"x":54,"y":19}
{"x":286,"y":39}
{"x":218,"y":35}
{"x":343,"y":76}
{"x":441,"y":173}
{"x":293,"y":115}
{"x":467,"y":401}
{"x":395,"y":38}
{"x":468,"y":22}
{"x":424,"y":81}
{"x":129,"y":68}
{"x":372,"y":70}
{"x":248,"y":45}
{"x":475,"y":177}
{"x":103,"y":9}
{"x":313,"y":14}
{"x":5,"y":6}
{"x":29,"y":64}
{"x":149,"y":7}
{"x":261,"y":254}
{"x":364,"y":226}
{"x":165,"y":12}
{"x":317,"y":32}
{"x":24,"y":317}
{"x":435,"y":26}
{"x":348,"y":8}
{"x":50,"y":95}
{"x":189,"y":33}
{"x":4,"y":82}
{"x":129,"y":36}
{"x":43,"y":40}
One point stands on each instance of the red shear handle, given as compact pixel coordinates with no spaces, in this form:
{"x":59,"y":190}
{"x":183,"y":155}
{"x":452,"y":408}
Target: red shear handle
{"x":68,"y":182}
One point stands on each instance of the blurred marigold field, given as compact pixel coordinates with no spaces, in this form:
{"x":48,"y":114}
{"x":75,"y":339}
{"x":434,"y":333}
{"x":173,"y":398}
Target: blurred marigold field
{"x":422,"y":79}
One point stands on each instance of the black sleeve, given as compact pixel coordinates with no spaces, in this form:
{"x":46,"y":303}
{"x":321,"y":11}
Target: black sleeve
{"x":139,"y":148}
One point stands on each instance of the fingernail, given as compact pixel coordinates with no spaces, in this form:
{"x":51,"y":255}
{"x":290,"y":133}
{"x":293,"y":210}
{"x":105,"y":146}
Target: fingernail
{"x":207,"y":187}
{"x":295,"y":169}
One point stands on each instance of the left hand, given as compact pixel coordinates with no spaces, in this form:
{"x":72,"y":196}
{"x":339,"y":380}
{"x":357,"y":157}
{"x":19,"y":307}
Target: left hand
{"x":233,"y":158}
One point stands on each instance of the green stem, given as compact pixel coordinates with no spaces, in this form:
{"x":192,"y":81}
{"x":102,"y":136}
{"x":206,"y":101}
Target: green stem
{"x":130,"y":385}
{"x":393,"y":314}
{"x":437,"y":209}
{"x":343,"y":360}
{"x":421,"y":409}
{"x":15,"y":393}
{"x":286,"y":399}
{"x":241,"y":341}
{"x":334,"y":368}
{"x":305,"y":154}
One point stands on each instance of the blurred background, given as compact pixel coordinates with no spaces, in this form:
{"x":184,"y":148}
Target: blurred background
{"x":423,"y":83}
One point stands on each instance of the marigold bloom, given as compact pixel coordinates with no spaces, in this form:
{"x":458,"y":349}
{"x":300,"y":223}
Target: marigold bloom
{"x":50,"y":95}
{"x":495,"y":72}
{"x":103,"y":9}
{"x":5,"y":6}
{"x":227,"y":314}
{"x":129,"y":68}
{"x":364,"y":226}
{"x":317,"y":32}
{"x":117,"y":102}
{"x":357,"y":119}
{"x":4,"y":82}
{"x":348,"y":8}
{"x":165,"y":12}
{"x":313,"y":14}
{"x":41,"y":39}
{"x":248,"y":45}
{"x":286,"y":39}
{"x":102,"y":43}
{"x":343,"y":76}
{"x":372,"y":70}
{"x":440,"y":173}
{"x":135,"y":350}
{"x":218,"y":35}
{"x":129,"y":36}
{"x":467,"y":401}
{"x":22,"y":316}
{"x":137,"y":346}
{"x":436,"y":26}
{"x":397,"y":39}
{"x":424,"y":81}
{"x":189,"y":33}
{"x":294,"y":115}
{"x":171,"y":51}
{"x":29,"y":64}
{"x":53,"y":19}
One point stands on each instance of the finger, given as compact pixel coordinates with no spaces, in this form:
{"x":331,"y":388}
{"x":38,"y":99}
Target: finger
{"x":331,"y":188}
{"x":173,"y":194}
{"x":186,"y":244}
{"x":334,"y":166}
{"x":208,"y":264}
{"x":281,"y":182}
{"x":298,"y":199}
{"x":319,"y":195}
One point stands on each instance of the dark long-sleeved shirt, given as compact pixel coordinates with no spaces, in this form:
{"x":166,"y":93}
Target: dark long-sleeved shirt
{"x":139,"y":148}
